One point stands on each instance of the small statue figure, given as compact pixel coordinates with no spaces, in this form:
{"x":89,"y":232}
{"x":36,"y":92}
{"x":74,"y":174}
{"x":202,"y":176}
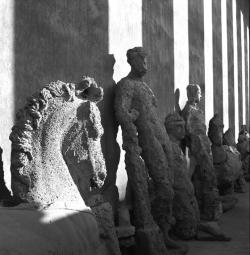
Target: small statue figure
{"x":204,"y":177}
{"x":185,"y":206}
{"x":4,"y":192}
{"x":147,"y":145}
{"x":226,"y":158}
{"x":230,"y":146}
{"x":243,"y":147}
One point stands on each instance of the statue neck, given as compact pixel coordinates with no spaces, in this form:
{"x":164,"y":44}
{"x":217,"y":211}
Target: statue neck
{"x":135,"y":75}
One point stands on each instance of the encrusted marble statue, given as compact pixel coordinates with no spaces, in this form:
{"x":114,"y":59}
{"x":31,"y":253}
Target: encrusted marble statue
{"x":186,"y":212}
{"x":230,"y":146}
{"x":243,"y":147}
{"x":4,"y":192}
{"x":147,"y":146}
{"x":57,"y":165}
{"x":204,"y":177}
{"x":226,"y":158}
{"x":57,"y":133}
{"x":185,"y":206}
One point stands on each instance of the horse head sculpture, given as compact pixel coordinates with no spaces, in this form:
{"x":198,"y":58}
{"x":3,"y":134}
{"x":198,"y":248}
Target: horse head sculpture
{"x":56,"y":153}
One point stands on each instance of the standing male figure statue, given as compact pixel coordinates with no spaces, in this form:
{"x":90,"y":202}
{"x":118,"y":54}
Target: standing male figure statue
{"x":204,"y":177}
{"x":147,"y":146}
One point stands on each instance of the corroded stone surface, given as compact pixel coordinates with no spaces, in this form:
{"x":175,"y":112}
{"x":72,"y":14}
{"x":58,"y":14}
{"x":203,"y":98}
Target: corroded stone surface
{"x":226,"y":158}
{"x":185,"y":206}
{"x":4,"y":192}
{"x":104,"y":216}
{"x":243,"y":147}
{"x":56,"y":152}
{"x":147,"y":146}
{"x":204,"y":177}
{"x":234,"y":160}
{"x":57,"y":161}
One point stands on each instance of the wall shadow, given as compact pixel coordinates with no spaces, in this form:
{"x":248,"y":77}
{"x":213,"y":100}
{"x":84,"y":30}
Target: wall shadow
{"x":58,"y":40}
{"x":158,"y":41}
{"x":217,"y":57}
{"x":64,"y":40}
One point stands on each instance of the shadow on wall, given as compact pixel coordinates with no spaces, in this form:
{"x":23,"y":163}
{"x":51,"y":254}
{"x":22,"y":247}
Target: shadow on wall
{"x":158,"y":40}
{"x":63,"y":40}
{"x":58,"y":39}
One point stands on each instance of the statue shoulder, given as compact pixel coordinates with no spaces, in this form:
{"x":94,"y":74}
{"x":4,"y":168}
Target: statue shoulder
{"x":126,"y":81}
{"x":125,"y":85}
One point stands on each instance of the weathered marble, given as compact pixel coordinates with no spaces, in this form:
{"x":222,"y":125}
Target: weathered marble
{"x":243,"y":147}
{"x":204,"y":177}
{"x":225,"y":157}
{"x":57,"y":133}
{"x":188,"y":224}
{"x":105,"y":218}
{"x":185,"y":206}
{"x":234,"y":158}
{"x":57,"y":160}
{"x":147,"y":146}
{"x":4,"y":192}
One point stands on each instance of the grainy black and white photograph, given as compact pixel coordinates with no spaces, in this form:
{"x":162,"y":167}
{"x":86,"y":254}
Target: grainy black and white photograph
{"x":124,"y":127}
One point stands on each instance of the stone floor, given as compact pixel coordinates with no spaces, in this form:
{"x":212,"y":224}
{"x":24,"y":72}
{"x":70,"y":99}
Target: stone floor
{"x":235,"y":224}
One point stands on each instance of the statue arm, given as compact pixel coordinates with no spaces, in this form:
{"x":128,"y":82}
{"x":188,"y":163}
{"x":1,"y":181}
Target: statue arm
{"x":125,"y":114}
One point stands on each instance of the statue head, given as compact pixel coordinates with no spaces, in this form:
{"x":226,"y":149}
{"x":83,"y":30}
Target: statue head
{"x":228,"y":138}
{"x":194,"y":93}
{"x":243,"y":134}
{"x":215,"y":130}
{"x":136,"y":57}
{"x":175,"y":126}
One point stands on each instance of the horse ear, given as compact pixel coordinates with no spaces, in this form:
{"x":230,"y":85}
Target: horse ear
{"x":92,"y":93}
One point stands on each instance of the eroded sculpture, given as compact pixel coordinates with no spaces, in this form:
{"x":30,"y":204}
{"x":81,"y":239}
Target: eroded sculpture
{"x":186,"y":212}
{"x":226,"y":158}
{"x":185,"y":206}
{"x":204,"y":177}
{"x":147,"y":145}
{"x":230,"y":145}
{"x":57,"y":164}
{"x":56,"y":134}
{"x":243,"y":147}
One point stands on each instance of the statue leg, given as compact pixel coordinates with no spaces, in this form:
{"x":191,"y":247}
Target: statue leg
{"x":156,"y":162}
{"x":207,"y":194}
{"x":149,"y":240}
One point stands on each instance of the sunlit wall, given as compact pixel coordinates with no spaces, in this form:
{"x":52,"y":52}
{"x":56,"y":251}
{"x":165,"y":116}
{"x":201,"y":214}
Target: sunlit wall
{"x":7,"y":101}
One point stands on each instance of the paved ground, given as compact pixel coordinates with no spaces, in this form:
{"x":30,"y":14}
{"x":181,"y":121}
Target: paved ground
{"x":235,"y":224}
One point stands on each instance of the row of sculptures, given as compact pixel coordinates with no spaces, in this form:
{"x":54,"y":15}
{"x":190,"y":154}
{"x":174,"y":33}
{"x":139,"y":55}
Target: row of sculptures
{"x":57,"y":161}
